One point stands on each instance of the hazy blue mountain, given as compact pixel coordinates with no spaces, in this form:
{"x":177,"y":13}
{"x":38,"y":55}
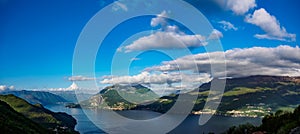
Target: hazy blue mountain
{"x":71,"y":96}
{"x":40,"y":97}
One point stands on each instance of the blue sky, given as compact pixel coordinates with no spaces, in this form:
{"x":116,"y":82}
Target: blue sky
{"x":38,"y":38}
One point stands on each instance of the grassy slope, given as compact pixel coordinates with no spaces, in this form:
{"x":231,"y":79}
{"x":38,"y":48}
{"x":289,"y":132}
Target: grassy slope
{"x":240,"y":93}
{"x":34,"y":97}
{"x":123,"y":97}
{"x":12,"y":122}
{"x":39,"y":114}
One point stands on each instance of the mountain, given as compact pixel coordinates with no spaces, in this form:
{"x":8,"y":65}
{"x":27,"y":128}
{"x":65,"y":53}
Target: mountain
{"x":121,"y":97}
{"x":61,"y":122}
{"x":37,"y":97}
{"x":73,"y":93}
{"x":73,"y":86}
{"x":71,"y":96}
{"x":12,"y":122}
{"x":247,"y":96}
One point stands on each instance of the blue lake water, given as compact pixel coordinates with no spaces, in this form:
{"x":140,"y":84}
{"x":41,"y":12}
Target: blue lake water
{"x":216,"y":124}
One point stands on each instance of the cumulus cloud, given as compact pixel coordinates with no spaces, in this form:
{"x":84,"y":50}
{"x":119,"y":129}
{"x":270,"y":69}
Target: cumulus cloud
{"x":118,"y":5}
{"x":6,"y":88}
{"x":80,"y":78}
{"x":72,"y":87}
{"x":270,"y":25}
{"x":157,"y":78}
{"x":166,"y":40}
{"x":225,"y":25}
{"x":135,"y":59}
{"x":167,"y":37}
{"x":215,"y":34}
{"x":282,"y":60}
{"x":240,"y":7}
{"x":159,"y":19}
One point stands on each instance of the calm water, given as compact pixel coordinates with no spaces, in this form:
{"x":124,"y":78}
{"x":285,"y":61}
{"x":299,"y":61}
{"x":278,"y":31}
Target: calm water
{"x":216,"y":124}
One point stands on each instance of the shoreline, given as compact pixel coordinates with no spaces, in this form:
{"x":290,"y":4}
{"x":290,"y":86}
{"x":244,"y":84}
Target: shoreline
{"x":196,"y":113}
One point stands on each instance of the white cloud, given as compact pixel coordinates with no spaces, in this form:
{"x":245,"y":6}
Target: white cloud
{"x":240,"y":7}
{"x":167,"y":37}
{"x":72,"y":87}
{"x":135,"y":59}
{"x":142,"y":78}
{"x":270,"y":25}
{"x":166,"y":40}
{"x":159,"y":19}
{"x":80,"y":78}
{"x":118,"y":5}
{"x":227,"y":26}
{"x":6,"y":88}
{"x":215,"y":34}
{"x":282,"y":60}
{"x":157,"y":78}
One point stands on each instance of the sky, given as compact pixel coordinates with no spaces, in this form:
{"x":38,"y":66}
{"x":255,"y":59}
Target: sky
{"x":38,"y":39}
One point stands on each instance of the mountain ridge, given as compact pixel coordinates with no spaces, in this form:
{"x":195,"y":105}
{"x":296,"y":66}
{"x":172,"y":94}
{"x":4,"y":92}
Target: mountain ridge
{"x":37,"y":97}
{"x":245,"y":96}
{"x":114,"y":97}
{"x":13,"y":122}
{"x":59,"y":121}
{"x":251,"y":96}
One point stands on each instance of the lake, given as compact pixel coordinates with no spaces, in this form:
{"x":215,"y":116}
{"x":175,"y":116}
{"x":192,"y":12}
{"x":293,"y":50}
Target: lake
{"x":216,"y":124}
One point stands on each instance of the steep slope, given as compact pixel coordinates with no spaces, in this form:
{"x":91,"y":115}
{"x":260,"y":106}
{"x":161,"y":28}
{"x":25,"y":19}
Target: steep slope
{"x":268,"y":92}
{"x":119,"y":97}
{"x":12,"y":122}
{"x":61,"y":122}
{"x":248,"y":96}
{"x":40,"y":97}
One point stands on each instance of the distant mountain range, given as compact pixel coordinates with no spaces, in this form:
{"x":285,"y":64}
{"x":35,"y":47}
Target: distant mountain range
{"x":48,"y":97}
{"x":19,"y":116}
{"x":37,"y":97}
{"x":72,"y":96}
{"x":247,"y":96}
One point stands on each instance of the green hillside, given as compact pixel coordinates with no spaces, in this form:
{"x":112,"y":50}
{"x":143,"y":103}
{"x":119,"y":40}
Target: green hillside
{"x":253,"y":96}
{"x":12,"y":122}
{"x":34,"y":97}
{"x":248,"y":96}
{"x":120,"y":97}
{"x":61,"y":122}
